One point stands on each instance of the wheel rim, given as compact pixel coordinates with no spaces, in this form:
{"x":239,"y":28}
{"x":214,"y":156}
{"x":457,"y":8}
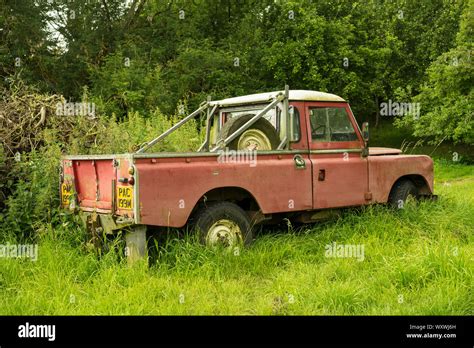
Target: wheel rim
{"x":225,"y":233}
{"x":254,"y":139}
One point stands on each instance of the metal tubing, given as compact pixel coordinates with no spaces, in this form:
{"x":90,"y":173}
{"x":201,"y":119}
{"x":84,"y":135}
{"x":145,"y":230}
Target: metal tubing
{"x":282,"y":144}
{"x":205,"y":145}
{"x":250,"y":122}
{"x":287,"y":116}
{"x":172,"y":129}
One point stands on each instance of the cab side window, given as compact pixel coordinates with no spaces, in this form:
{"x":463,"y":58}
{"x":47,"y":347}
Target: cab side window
{"x":295,"y":128}
{"x":331,"y":124}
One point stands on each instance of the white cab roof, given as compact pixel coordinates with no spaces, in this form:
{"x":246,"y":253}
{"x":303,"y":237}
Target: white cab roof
{"x":302,"y":95}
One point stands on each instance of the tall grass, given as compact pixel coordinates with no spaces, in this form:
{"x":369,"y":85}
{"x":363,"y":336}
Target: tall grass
{"x":417,"y":261}
{"x":388,"y":135}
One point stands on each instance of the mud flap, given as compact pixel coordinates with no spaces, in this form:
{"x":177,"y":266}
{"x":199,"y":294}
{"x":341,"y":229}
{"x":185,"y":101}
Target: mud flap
{"x":135,"y":241}
{"x":91,"y":222}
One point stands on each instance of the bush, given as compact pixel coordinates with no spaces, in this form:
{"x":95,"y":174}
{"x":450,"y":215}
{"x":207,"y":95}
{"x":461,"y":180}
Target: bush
{"x":32,"y":198}
{"x":446,"y":100}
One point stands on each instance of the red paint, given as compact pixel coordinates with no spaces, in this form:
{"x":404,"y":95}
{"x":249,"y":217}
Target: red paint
{"x":168,"y":188}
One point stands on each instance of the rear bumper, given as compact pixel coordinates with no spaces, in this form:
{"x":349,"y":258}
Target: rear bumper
{"x":98,"y":223}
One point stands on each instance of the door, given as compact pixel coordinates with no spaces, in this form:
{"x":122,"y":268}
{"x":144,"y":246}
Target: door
{"x":340,"y":173}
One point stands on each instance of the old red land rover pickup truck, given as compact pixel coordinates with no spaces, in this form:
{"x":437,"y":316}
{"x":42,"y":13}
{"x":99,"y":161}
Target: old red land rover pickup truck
{"x":291,"y":153}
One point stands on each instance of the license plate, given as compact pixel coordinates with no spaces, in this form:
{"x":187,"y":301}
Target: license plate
{"x":125,"y":198}
{"x":66,"y":192}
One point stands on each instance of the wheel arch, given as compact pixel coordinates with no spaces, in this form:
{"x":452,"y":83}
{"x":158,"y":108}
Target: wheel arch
{"x":238,"y":195}
{"x":418,"y":180}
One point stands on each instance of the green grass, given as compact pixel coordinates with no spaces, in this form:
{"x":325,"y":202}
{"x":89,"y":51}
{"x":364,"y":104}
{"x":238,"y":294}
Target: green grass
{"x":450,"y":171}
{"x":418,"y":261}
{"x":387,"y":135}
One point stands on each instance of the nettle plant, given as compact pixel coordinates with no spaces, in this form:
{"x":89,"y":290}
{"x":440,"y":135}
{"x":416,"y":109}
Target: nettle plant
{"x":30,"y":196}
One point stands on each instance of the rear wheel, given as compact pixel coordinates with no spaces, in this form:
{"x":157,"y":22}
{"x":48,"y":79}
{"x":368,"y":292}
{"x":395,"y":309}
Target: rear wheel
{"x":224,"y":225}
{"x":259,"y":136}
{"x":402,"y":191}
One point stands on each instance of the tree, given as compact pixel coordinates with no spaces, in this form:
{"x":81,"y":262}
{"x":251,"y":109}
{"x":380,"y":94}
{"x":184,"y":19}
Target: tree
{"x":447,"y":98}
{"x":24,"y":43}
{"x":125,"y":83}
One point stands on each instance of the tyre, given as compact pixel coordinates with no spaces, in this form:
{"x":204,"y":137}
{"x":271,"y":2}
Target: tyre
{"x":259,"y":136}
{"x":225,"y":225}
{"x":401,"y":192}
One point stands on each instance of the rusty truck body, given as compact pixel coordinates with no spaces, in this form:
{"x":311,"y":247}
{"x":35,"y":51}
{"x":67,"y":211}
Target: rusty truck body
{"x":291,"y":153}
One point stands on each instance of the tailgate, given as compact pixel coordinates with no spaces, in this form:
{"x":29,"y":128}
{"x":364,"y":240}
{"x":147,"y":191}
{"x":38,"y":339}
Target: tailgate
{"x":98,"y":183}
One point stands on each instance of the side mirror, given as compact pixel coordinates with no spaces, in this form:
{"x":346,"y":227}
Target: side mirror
{"x":365,"y":136}
{"x":365,"y":131}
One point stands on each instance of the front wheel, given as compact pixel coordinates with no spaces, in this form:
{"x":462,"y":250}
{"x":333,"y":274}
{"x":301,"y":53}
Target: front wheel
{"x":402,"y":191}
{"x":224,"y":224}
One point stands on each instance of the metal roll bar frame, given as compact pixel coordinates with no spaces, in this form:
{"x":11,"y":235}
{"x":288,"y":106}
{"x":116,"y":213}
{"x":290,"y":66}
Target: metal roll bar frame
{"x":211,"y":108}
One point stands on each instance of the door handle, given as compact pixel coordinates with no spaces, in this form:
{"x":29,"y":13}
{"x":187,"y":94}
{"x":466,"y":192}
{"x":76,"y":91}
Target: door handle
{"x":299,"y":162}
{"x":322,"y":175}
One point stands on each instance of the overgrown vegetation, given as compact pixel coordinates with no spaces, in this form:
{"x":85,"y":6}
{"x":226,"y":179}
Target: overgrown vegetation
{"x":448,"y":95}
{"x":30,"y":186}
{"x":141,"y":55}
{"x":417,"y":261}
{"x":140,"y":64}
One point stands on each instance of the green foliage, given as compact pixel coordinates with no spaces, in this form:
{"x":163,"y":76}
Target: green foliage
{"x":35,"y":198}
{"x":128,"y":135}
{"x":188,"y":49}
{"x":446,"y":171}
{"x":416,"y":262}
{"x":200,"y":71}
{"x":126,"y":84}
{"x":447,"y":98}
{"x":24,"y":43}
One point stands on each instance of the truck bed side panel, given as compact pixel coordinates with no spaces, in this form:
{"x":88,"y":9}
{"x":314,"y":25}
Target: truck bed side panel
{"x":169,"y":188}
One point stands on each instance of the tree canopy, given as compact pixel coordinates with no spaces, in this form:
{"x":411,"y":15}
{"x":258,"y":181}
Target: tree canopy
{"x":143,"y":55}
